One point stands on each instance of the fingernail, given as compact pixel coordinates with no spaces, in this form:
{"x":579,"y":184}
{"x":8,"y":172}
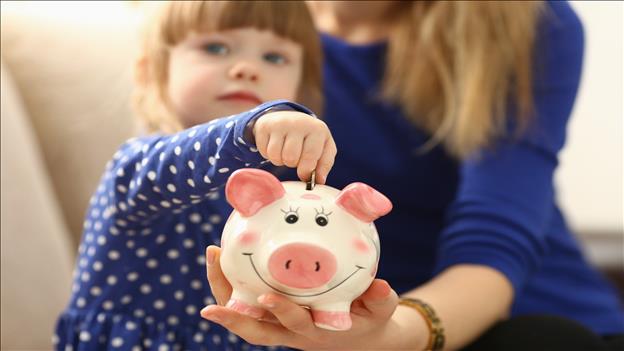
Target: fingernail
{"x":210,"y":257}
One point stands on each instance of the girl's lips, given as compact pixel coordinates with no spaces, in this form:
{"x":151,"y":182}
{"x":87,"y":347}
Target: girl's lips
{"x":241,"y":95}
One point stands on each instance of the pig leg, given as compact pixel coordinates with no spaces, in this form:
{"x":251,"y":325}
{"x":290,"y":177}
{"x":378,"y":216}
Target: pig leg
{"x":245,"y":303}
{"x":332,"y":316}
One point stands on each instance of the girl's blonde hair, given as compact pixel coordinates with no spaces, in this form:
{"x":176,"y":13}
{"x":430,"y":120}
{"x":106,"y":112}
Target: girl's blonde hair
{"x":452,"y":65}
{"x":169,"y":23}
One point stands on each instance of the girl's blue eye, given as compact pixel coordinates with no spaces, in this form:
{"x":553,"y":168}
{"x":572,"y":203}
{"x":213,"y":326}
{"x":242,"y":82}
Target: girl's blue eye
{"x":275,"y":58}
{"x":216,"y":48}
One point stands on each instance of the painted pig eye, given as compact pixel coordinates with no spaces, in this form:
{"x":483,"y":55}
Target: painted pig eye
{"x":291,"y":215}
{"x":292,"y":218}
{"x":321,"y":220}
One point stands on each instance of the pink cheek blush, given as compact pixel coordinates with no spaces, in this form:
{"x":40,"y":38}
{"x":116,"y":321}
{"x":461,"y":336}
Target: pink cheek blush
{"x":311,"y":197}
{"x":248,"y":238}
{"x":360,"y":246}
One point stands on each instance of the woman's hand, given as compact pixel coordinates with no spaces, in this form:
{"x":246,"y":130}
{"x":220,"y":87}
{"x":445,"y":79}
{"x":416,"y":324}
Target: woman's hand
{"x":286,"y":323}
{"x":296,"y":140}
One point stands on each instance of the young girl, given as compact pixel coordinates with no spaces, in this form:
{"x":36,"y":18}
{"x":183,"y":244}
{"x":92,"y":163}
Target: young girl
{"x":208,"y":83}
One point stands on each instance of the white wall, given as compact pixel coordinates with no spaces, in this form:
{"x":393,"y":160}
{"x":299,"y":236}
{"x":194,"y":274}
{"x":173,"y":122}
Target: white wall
{"x":590,"y":176}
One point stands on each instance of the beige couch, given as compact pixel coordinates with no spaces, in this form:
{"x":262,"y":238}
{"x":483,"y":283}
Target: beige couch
{"x":66,"y":80}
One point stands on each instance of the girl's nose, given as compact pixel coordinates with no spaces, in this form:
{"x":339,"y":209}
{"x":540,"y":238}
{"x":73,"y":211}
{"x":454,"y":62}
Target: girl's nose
{"x":244,"y":71}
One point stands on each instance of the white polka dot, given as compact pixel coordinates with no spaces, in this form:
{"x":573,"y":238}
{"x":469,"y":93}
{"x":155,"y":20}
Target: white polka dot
{"x":218,"y":141}
{"x":163,"y":347}
{"x":188,"y":243}
{"x":173,"y":320}
{"x":198,"y":338}
{"x":145,"y":289}
{"x":85,"y":276}
{"x":193,"y":132}
{"x":139,"y":313}
{"x":111,"y":280}
{"x":224,"y":170}
{"x":108,"y":305}
{"x":113,"y":255}
{"x":180,"y":228}
{"x":176,"y":201}
{"x":206,"y":227}
{"x":117,"y":342}
{"x":96,"y":291}
{"x":232,"y":338}
{"x":55,"y":339}
{"x":216,"y":339}
{"x":85,"y":336}
{"x":113,"y":231}
{"x":161,"y":239}
{"x":215,"y":219}
{"x":190,"y":309}
{"x":120,"y":172}
{"x":161,"y":157}
{"x":151,"y":175}
{"x":159,"y":145}
{"x":141,"y":252}
{"x":101,"y":240}
{"x":191,"y":164}
{"x":201,"y":260}
{"x":171,"y":187}
{"x":147,"y":343}
{"x":229,"y":124}
{"x":196,"y":284}
{"x":209,"y":300}
{"x":173,"y":169}
{"x":165,"y":204}
{"x":159,"y":304}
{"x":97,"y":266}
{"x":130,"y":244}
{"x":149,"y":320}
{"x":131,"y":325}
{"x":211,"y":160}
{"x":178,"y":295}
{"x":190,"y":182}
{"x":121,"y":188}
{"x":184,"y":269}
{"x":144,"y":162}
{"x":81,"y":302}
{"x":91,"y":251}
{"x":122,"y":206}
{"x":165,"y":279}
{"x":177,"y":150}
{"x":195,"y":217}
{"x":203,"y":325}
{"x":136,"y":348}
{"x":207,"y":180}
{"x":197,"y":146}
{"x":132,"y":276}
{"x":173,"y":254}
{"x":142,"y":197}
{"x":101,"y":317}
{"x":152,"y":263}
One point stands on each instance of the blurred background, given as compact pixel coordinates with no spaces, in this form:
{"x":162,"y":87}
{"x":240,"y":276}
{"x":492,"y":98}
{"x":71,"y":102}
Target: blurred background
{"x":66,"y":83}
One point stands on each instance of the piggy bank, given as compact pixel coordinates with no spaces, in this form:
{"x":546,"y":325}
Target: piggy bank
{"x":317,"y":247}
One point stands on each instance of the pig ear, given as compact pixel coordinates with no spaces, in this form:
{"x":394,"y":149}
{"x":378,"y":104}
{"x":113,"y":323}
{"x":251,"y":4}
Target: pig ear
{"x":248,"y":190}
{"x":363,"y":202}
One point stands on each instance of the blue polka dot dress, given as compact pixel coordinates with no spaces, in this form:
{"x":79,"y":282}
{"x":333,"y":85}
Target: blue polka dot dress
{"x":140,"y":279}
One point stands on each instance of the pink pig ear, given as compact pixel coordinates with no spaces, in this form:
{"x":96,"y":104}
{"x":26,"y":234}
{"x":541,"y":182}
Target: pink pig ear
{"x":363,"y":202}
{"x":248,"y":190}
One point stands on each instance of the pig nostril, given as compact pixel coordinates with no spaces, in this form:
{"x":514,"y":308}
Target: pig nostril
{"x":318,"y":266}
{"x":288,"y":264}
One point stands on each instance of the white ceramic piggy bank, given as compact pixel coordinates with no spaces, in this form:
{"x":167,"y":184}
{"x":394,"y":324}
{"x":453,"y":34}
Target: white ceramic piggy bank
{"x":318,"y":247}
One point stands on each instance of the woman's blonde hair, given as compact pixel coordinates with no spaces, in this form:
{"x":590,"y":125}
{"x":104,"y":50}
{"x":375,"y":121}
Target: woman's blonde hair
{"x":452,"y":65}
{"x":169,"y":23}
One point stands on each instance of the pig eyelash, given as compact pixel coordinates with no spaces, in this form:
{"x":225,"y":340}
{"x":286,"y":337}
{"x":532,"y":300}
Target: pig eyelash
{"x":322,"y":212}
{"x":291,"y":216}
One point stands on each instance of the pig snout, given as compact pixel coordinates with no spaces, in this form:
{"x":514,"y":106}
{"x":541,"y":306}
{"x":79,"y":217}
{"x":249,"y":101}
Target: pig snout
{"x":302,"y":266}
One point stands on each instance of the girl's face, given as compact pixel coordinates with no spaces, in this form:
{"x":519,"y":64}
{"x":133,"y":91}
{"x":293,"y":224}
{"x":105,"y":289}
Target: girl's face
{"x":218,"y":74}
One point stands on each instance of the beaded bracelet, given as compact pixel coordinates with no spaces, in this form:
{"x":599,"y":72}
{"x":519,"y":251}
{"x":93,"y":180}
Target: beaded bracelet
{"x":436,"y":332}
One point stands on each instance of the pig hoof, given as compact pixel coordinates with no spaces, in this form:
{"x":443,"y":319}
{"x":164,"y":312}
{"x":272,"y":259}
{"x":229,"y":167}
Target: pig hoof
{"x":244,"y":308}
{"x":332,"y":320}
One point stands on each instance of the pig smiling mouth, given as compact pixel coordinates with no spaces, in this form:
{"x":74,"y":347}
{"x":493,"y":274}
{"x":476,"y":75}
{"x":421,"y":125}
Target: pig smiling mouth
{"x":358,"y":267}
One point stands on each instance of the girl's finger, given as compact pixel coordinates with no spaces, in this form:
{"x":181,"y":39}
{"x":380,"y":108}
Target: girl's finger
{"x":252,"y":330}
{"x":219,"y":285}
{"x":380,"y":299}
{"x":274,"y":148}
{"x":309,"y":155}
{"x":326,"y":161}
{"x":262,"y":140}
{"x":291,"y":315}
{"x":292,"y":149}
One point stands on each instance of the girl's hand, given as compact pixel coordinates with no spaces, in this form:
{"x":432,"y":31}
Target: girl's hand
{"x":291,"y":325}
{"x":296,"y":140}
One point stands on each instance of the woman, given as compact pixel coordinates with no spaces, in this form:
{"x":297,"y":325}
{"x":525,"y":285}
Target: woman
{"x":456,"y":111}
